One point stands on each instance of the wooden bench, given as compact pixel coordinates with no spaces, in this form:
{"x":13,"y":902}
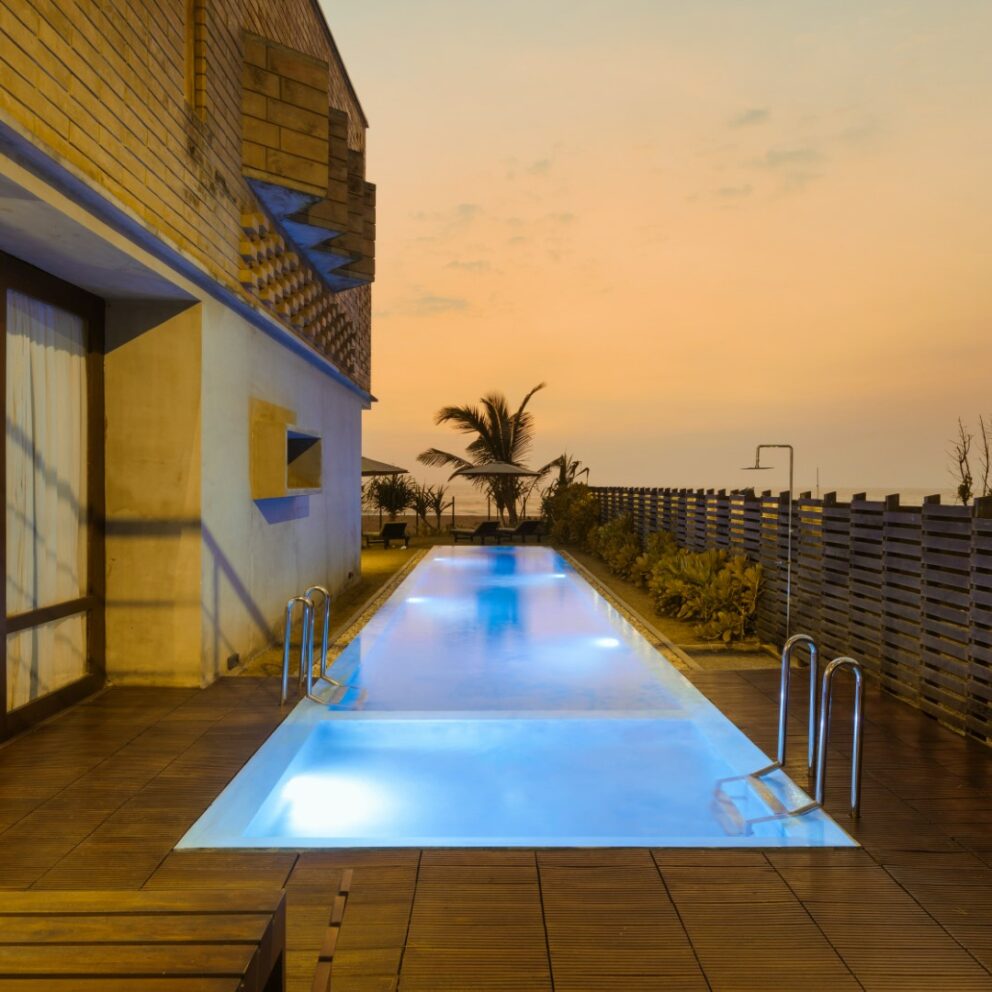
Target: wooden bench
{"x":123,"y":941}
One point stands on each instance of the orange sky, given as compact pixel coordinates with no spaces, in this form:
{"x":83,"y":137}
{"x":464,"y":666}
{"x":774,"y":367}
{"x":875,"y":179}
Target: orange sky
{"x":705,"y":225}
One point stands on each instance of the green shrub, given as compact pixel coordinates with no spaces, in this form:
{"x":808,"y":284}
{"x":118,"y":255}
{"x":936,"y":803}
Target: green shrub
{"x":714,"y":590}
{"x":617,"y":544}
{"x":732,"y":602}
{"x":392,"y":494}
{"x":570,"y":513}
{"x":658,"y":545}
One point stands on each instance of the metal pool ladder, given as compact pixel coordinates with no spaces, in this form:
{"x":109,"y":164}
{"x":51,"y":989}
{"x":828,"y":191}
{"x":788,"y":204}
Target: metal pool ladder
{"x":818,"y":740}
{"x":307,"y":638}
{"x":857,"y":748}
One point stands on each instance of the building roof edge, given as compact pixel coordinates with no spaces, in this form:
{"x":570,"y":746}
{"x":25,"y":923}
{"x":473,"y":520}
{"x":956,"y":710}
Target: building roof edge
{"x":337,"y":55}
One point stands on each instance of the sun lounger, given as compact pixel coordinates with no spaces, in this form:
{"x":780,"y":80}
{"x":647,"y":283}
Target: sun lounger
{"x":488,"y":528}
{"x":523,"y":530}
{"x":393,"y":531}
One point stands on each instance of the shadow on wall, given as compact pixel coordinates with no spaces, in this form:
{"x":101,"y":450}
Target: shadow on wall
{"x":284,"y":509}
{"x":221,"y":573}
{"x":127,"y":320}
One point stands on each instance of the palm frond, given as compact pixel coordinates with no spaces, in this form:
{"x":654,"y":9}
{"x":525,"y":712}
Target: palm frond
{"x":463,"y":418}
{"x":500,"y":429}
{"x":554,"y":463}
{"x":437,"y":458}
{"x":522,"y":424}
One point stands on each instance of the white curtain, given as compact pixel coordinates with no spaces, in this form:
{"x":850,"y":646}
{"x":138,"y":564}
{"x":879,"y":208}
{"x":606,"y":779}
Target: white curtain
{"x":46,"y":492}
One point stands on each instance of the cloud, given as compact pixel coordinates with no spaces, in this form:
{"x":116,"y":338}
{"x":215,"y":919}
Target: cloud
{"x":797,"y":180}
{"x":458,"y":215}
{"x":795,"y":165}
{"x":734,"y":192}
{"x":863,"y":133}
{"x":539,"y":167}
{"x":470,"y":265}
{"x":790,"y":158}
{"x":749,"y":117}
{"x":431,"y":305}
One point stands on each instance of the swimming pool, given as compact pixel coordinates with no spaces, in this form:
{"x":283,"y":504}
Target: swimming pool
{"x":499,"y":700}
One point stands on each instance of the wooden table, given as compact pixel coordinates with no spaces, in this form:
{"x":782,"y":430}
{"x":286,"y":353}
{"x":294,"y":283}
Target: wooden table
{"x":191,"y":941}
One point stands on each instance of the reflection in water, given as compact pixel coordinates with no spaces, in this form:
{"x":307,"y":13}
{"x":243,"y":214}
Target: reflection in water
{"x":498,"y":611}
{"x":498,"y":604}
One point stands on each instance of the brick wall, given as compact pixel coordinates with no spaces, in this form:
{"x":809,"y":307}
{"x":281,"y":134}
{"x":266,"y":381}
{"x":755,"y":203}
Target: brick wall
{"x":103,"y":88}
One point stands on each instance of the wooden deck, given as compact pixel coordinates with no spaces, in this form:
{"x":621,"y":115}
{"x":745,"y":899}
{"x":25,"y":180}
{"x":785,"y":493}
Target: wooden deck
{"x":97,"y":798}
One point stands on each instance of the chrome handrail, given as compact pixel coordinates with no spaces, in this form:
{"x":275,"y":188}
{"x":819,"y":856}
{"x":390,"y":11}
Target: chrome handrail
{"x":306,"y":647}
{"x":783,"y":702}
{"x":823,"y":738}
{"x":325,"y":640}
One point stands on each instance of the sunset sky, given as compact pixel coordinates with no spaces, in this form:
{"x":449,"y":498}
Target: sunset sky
{"x":705,"y":225}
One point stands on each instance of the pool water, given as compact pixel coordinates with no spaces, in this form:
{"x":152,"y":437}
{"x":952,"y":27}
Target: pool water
{"x":498,"y":700}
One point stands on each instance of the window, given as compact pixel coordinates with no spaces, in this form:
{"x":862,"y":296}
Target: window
{"x":53,"y":467}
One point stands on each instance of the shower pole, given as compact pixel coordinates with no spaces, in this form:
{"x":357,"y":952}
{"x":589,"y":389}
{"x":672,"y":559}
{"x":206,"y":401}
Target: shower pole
{"x":788,"y":559}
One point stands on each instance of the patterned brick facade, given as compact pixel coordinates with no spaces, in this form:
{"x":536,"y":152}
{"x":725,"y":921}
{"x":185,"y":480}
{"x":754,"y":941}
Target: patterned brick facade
{"x":144,"y":98}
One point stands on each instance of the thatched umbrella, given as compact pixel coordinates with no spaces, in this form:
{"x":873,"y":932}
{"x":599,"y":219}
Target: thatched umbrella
{"x":496,"y":470}
{"x":371,"y":467}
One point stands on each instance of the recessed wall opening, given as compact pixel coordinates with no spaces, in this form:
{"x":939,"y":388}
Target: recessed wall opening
{"x":303,"y":460}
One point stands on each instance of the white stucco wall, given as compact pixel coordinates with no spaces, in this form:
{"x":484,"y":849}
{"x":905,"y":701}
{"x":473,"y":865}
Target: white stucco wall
{"x":258,"y":554}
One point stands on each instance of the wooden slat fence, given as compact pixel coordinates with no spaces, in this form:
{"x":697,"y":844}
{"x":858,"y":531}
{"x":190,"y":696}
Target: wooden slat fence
{"x":907,"y":590}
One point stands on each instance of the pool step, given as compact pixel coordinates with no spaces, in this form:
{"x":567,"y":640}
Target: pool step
{"x":730,"y":808}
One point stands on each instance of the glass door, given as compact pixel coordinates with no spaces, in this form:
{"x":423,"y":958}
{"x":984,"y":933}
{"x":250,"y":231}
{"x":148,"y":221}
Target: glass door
{"x":53,"y":467}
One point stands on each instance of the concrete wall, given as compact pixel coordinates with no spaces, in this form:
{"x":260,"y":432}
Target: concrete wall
{"x":258,"y":554}
{"x":196,"y":570}
{"x":152,"y":387}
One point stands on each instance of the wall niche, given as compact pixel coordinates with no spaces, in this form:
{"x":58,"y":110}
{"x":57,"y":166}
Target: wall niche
{"x":286,"y":459}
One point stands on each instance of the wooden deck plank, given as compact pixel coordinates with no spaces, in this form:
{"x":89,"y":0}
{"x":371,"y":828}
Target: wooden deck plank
{"x":222,"y":869}
{"x":567,"y":982}
{"x":126,"y":959}
{"x":140,"y":928}
{"x":221,"y":901}
{"x":148,"y":984}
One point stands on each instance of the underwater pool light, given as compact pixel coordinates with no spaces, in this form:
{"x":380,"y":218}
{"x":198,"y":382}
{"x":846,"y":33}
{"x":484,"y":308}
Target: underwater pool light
{"x":607,"y":642}
{"x":321,"y":805}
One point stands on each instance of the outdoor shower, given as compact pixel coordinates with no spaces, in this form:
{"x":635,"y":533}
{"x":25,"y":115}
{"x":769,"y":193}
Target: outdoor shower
{"x":758,"y":467}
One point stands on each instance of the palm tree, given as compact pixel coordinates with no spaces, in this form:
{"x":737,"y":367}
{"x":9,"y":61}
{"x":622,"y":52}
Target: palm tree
{"x":569,"y":471}
{"x":390,"y":493}
{"x":437,"y":503}
{"x":500,"y":436}
{"x":420,"y":503}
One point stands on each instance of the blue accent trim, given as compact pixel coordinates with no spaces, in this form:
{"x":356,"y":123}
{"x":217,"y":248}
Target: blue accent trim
{"x":26,"y":154}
